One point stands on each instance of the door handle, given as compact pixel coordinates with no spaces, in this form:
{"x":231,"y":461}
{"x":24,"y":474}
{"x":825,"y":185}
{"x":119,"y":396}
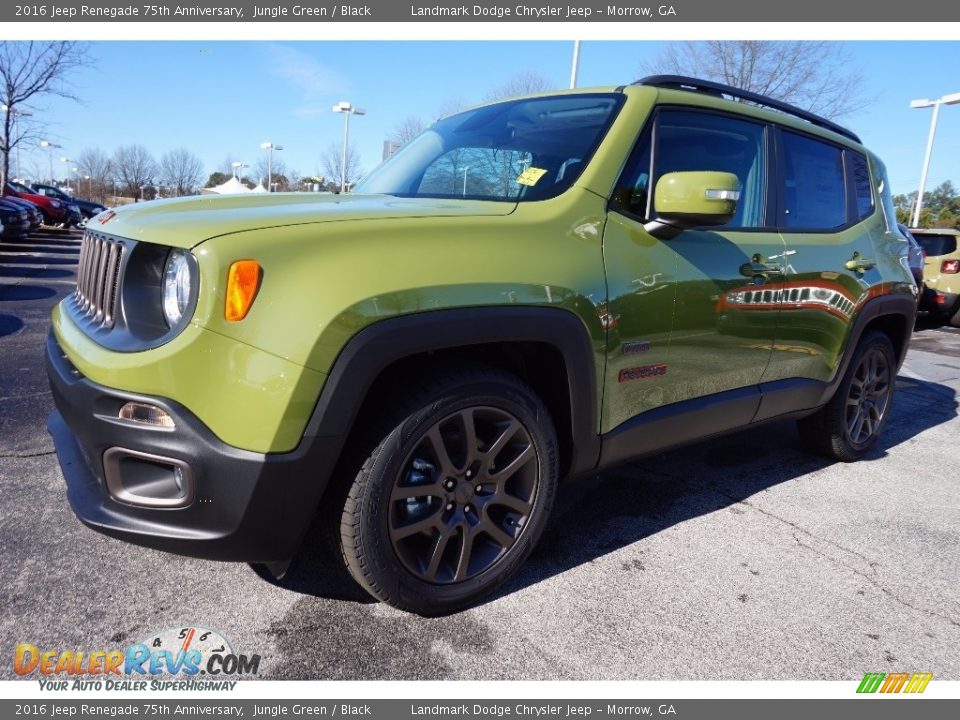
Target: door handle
{"x":760,"y":269}
{"x":859,"y":264}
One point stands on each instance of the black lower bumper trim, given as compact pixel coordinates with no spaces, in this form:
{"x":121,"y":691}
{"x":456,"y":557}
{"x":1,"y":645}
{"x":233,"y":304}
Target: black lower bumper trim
{"x":248,"y":506}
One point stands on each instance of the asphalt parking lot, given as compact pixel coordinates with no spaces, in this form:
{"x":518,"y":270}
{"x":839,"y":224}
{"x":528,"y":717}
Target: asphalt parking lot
{"x":741,"y":558}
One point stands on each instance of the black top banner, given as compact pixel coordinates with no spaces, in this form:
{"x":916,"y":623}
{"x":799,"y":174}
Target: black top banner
{"x":638,"y":11}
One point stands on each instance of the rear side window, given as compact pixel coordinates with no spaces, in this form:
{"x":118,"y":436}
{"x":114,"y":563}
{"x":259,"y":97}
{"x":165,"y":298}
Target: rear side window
{"x":814,"y":192}
{"x":937,"y":244}
{"x":861,"y":183}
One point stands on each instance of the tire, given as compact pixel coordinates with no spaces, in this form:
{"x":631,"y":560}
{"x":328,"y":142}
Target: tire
{"x":848,"y":426}
{"x":953,"y":320}
{"x":462,"y":530}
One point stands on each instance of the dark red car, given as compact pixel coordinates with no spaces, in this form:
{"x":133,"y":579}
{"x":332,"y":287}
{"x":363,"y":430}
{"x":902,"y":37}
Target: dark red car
{"x":54,"y":210}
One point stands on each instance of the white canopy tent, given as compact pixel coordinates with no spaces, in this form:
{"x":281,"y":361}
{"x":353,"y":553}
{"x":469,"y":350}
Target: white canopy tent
{"x":230,"y":187}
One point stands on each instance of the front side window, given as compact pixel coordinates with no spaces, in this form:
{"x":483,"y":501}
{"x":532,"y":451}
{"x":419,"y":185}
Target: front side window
{"x":695,"y":141}
{"x":814,"y":193}
{"x":519,"y":150}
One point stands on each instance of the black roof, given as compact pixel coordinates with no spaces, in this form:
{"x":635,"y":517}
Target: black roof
{"x":681,"y":82}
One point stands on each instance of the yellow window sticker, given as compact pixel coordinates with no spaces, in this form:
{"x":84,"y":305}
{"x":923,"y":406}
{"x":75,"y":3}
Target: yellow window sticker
{"x":531,"y":176}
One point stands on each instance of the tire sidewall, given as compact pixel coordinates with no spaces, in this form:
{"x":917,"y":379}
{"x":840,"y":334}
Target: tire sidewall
{"x":387,"y":569}
{"x":869,"y":343}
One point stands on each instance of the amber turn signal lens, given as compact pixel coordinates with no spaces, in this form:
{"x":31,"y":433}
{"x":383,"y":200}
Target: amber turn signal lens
{"x":243,"y":282}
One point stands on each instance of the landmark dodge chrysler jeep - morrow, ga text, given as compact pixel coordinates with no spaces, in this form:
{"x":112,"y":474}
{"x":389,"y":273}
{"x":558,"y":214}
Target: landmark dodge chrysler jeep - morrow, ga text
{"x":528,"y":291}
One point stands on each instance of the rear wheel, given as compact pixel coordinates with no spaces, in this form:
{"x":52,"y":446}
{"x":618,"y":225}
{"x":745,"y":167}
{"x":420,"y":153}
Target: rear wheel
{"x":954,"y":320}
{"x":851,"y":423}
{"x":454,"y":495}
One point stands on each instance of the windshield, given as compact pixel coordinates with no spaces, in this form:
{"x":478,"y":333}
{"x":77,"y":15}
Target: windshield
{"x":517,"y":150}
{"x":21,"y":188}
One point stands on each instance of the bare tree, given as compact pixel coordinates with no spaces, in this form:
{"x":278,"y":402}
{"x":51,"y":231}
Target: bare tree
{"x":29,"y":71}
{"x":181,"y":171}
{"x":226,"y":166}
{"x":134,"y":167}
{"x":332,"y":162}
{"x":450,"y":107}
{"x":523,"y":83}
{"x":294,"y":180}
{"x":818,"y":76}
{"x":95,"y":164}
{"x":406,"y":130}
{"x":262,"y":167}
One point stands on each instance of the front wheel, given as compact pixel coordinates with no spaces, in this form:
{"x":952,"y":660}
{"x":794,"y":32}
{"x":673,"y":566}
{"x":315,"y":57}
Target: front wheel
{"x":454,"y":495}
{"x":850,"y":424}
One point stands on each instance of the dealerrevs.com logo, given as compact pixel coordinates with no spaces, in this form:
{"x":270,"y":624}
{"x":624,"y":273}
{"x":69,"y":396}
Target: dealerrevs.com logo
{"x":202,"y":658}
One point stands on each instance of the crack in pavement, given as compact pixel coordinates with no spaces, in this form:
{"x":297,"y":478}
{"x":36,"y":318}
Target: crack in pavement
{"x":870,"y":563}
{"x":873,"y":581}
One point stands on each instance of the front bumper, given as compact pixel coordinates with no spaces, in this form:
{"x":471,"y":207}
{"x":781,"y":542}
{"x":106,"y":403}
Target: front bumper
{"x":14,"y":230}
{"x":243,"y":506}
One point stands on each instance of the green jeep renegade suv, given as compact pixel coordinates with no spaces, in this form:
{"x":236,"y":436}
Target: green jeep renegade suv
{"x":529,"y":291}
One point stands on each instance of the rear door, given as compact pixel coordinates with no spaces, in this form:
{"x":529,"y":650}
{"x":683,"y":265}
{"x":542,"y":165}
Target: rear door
{"x":827,"y":211}
{"x":677,"y":332}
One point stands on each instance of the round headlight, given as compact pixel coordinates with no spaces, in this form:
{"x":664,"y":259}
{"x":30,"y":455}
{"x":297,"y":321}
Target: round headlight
{"x":177,"y":285}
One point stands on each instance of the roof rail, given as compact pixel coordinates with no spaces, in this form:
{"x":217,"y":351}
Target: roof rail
{"x":681,"y":82}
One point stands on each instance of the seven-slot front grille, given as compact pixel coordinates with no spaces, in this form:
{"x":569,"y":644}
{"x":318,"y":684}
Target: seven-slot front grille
{"x":97,"y":278}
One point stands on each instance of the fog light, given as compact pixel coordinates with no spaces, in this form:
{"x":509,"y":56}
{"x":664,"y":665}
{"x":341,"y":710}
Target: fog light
{"x":144,"y":414}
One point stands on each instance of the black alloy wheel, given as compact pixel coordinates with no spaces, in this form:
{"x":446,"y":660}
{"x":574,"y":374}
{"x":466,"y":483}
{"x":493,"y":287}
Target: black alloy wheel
{"x":450,"y":490}
{"x":464,"y":495}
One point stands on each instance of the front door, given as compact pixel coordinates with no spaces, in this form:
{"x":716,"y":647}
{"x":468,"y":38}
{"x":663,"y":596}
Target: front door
{"x":678,"y":328}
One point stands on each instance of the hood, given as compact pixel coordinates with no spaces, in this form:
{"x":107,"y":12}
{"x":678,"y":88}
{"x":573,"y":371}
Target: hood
{"x":187,"y":222}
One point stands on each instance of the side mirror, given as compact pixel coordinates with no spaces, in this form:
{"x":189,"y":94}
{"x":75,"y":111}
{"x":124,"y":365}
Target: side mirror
{"x":699,"y":198}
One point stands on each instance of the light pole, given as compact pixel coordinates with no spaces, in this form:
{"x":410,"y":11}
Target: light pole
{"x":466,"y":167}
{"x":67,"y":178}
{"x":575,"y":65}
{"x":237,"y":167}
{"x":347,"y":109}
{"x":17,"y":114}
{"x":951,"y":99}
{"x":270,"y":147}
{"x":50,"y":146}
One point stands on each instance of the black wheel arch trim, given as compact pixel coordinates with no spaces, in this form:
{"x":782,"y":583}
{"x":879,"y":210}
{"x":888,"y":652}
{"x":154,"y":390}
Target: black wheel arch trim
{"x":376,"y":347}
{"x":900,"y":305}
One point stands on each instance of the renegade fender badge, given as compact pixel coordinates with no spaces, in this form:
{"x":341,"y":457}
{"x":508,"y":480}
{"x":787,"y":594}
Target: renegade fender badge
{"x":643,"y":372}
{"x":635,"y":347}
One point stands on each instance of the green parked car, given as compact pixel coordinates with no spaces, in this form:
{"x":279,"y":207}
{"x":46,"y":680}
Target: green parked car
{"x":529,"y":291}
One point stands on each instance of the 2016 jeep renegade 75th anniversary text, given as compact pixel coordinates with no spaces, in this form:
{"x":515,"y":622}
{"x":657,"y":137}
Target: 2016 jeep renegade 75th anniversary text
{"x":528,"y":291}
